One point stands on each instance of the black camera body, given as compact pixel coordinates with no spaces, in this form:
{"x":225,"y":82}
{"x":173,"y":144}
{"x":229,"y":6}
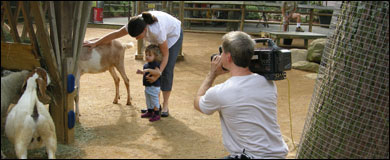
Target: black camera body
{"x":270,"y":62}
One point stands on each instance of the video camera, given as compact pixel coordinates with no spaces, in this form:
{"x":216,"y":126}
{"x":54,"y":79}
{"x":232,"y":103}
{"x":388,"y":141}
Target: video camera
{"x":270,"y":62}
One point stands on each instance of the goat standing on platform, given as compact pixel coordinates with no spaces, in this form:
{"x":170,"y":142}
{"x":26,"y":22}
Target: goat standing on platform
{"x":29,"y":124}
{"x":100,"y":59}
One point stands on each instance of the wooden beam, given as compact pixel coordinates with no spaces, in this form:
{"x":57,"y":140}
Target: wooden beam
{"x":311,"y":20}
{"x":16,"y":14}
{"x":87,"y":6}
{"x":211,"y":9}
{"x":56,"y":107}
{"x":181,"y":13}
{"x":140,"y":43}
{"x":47,"y":49}
{"x":242,"y":18}
{"x":26,"y":11}
{"x":76,"y":33}
{"x":58,"y":9}
{"x":54,"y":35}
{"x":18,"y":56}
{"x":211,"y":20}
{"x":67,"y":54}
{"x":11,"y":21}
{"x":68,"y":101}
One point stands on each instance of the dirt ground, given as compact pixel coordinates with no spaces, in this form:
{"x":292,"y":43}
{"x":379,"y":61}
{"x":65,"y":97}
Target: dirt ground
{"x":108,"y":130}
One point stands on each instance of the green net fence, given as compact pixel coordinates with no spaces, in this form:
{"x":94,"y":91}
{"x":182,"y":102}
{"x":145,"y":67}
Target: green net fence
{"x":348,"y":115}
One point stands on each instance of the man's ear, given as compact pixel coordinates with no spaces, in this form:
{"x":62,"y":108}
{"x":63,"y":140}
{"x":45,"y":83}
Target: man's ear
{"x":229,"y":57}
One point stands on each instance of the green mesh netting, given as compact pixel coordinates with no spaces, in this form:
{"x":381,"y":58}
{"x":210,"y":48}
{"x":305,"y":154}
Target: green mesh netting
{"x":348,"y":115}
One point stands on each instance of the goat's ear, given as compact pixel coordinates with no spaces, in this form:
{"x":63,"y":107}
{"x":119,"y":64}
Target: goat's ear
{"x":42,"y":96}
{"x":24,"y":85}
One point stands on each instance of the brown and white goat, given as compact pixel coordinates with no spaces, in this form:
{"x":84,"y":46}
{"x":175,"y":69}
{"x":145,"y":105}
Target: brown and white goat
{"x":10,"y":93}
{"x":100,"y":59}
{"x":29,"y":124}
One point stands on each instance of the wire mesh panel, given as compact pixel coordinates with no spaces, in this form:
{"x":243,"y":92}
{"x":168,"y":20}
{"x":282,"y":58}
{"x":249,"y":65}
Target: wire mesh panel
{"x":348,"y":115}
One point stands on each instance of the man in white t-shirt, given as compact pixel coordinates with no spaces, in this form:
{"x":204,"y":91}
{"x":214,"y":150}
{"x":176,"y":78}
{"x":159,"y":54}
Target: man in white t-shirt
{"x":246,"y":102}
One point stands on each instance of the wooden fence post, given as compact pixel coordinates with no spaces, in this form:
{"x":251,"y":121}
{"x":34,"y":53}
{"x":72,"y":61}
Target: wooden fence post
{"x":311,"y":20}
{"x":242,"y":17}
{"x":181,"y":15}
{"x":140,"y":43}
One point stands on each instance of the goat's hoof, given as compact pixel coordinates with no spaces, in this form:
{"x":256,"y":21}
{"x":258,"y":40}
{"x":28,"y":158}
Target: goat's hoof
{"x":128,"y":103}
{"x":115,"y":102}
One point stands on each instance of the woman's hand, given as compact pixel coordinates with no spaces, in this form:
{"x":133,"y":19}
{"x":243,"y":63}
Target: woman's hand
{"x":90,"y":44}
{"x":106,"y":39}
{"x":153,"y":75}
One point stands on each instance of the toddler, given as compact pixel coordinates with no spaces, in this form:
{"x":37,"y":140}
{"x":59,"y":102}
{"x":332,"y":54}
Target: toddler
{"x":152,"y":90}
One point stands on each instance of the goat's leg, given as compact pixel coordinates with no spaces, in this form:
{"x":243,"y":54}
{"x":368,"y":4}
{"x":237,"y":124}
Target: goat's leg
{"x":21,"y":150}
{"x":51,"y":147}
{"x":76,"y":97}
{"x":46,"y":130}
{"x":126,"y":80}
{"x":21,"y":144}
{"x":116,"y":80}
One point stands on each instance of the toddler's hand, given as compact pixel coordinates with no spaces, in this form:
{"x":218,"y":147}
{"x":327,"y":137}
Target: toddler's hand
{"x":139,"y":71}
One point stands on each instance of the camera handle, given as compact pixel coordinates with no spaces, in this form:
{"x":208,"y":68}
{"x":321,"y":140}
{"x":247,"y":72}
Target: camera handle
{"x":270,"y":42}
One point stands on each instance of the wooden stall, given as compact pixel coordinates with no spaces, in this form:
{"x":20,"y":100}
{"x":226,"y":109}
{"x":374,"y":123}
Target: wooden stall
{"x":52,"y":35}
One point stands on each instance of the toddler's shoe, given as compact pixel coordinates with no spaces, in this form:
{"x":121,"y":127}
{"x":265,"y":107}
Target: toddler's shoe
{"x":147,"y":115}
{"x":154,"y":118}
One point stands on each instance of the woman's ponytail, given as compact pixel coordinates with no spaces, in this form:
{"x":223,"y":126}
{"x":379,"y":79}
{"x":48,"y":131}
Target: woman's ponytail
{"x":148,"y":18}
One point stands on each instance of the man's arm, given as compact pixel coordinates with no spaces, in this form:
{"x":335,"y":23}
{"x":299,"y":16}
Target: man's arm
{"x":215,"y":70}
{"x":203,"y":88}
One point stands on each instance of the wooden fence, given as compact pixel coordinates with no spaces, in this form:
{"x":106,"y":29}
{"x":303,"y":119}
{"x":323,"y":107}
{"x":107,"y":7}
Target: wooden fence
{"x":243,"y":11}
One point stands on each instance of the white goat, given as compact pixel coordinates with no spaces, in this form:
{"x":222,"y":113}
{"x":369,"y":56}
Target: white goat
{"x":10,"y":92}
{"x":29,"y":124}
{"x":100,"y":59}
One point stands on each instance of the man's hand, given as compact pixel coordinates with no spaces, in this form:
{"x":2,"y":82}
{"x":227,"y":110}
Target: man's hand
{"x":153,"y":75}
{"x":216,"y":67}
{"x":215,"y":70}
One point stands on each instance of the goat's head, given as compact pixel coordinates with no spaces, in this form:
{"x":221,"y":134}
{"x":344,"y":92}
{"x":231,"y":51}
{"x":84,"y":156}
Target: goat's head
{"x":42,"y":80}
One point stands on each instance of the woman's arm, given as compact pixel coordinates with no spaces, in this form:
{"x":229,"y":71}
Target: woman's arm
{"x":106,"y":38}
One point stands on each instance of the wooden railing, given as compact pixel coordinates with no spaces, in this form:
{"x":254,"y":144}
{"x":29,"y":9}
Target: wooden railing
{"x":243,"y":10}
